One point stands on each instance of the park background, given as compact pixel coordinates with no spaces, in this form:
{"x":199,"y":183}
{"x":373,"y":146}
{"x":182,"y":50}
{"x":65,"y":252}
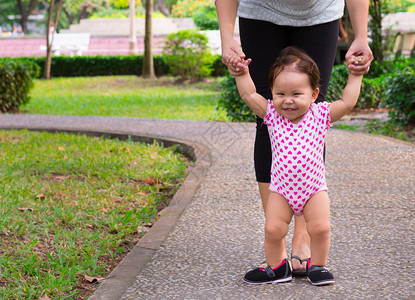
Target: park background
{"x":46,"y":217}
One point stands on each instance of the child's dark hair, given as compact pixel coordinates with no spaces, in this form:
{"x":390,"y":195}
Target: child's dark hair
{"x":297,"y":60}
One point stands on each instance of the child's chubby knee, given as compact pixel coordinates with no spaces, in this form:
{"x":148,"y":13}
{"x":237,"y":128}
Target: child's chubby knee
{"x":318,"y":228}
{"x":276,"y":229}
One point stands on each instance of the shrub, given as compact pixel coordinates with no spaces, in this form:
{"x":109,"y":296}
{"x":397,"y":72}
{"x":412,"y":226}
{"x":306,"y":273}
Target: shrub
{"x":371,"y":92}
{"x":337,"y":83}
{"x":389,"y":66}
{"x":186,"y":8}
{"x":388,"y":128}
{"x":236,"y":109}
{"x":122,"y":13}
{"x":186,"y":52}
{"x":15,"y":83}
{"x":206,"y":18}
{"x":31,"y":65}
{"x":111,"y":13}
{"x":400,"y":95}
{"x":377,"y":69}
{"x":219,"y":69}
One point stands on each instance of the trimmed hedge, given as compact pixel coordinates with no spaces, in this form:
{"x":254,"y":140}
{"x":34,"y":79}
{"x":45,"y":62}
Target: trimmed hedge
{"x":15,"y":83}
{"x":65,"y":66}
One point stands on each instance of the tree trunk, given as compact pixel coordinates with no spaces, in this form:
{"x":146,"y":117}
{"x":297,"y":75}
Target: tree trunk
{"x":148,"y":66}
{"x":24,"y":14}
{"x":50,"y":35}
{"x":375,"y":10}
{"x":84,"y":12}
{"x":69,"y":16}
{"x":133,"y":48}
{"x":161,"y":6}
{"x":49,"y":41}
{"x":58,"y":10}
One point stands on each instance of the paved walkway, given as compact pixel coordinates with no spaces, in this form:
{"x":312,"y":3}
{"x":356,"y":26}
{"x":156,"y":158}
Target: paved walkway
{"x":212,"y":232}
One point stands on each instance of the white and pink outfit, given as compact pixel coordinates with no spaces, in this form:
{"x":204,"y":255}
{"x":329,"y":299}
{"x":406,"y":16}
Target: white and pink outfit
{"x":297,"y":171}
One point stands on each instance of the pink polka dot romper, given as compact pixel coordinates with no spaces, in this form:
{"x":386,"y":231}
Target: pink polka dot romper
{"x":297,"y":171}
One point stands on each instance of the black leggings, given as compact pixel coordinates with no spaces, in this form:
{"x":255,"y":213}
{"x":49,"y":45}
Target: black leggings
{"x":263,"y":42}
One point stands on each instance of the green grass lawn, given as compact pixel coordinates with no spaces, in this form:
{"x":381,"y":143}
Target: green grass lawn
{"x":72,"y":206}
{"x":126,"y":96}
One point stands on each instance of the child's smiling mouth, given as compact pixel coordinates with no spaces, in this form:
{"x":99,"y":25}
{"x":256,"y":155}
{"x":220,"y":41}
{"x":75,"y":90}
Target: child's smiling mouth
{"x":289,"y":109}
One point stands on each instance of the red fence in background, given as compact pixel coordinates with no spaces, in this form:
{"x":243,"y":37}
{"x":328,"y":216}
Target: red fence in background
{"x":98,"y":45}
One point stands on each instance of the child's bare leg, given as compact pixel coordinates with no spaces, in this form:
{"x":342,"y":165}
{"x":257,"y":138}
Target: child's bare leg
{"x":317,"y":216}
{"x":278,"y":215}
{"x":264,"y":192}
{"x":301,"y":239}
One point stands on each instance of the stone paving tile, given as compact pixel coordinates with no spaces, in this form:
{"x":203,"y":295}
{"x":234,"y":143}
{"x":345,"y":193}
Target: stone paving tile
{"x":219,"y":236}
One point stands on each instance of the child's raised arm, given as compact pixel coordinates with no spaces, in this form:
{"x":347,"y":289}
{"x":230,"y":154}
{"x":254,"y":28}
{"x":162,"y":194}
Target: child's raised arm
{"x":247,"y":91}
{"x":349,"y":98}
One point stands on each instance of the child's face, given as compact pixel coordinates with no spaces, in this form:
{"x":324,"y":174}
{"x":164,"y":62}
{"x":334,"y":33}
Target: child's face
{"x":292,"y":94}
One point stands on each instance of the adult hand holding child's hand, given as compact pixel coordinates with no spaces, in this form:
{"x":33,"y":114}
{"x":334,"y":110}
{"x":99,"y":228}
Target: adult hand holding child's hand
{"x":361,"y":50}
{"x":234,"y":59}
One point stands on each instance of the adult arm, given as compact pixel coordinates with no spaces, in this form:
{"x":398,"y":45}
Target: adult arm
{"x":359,"y":11}
{"x":232,"y":54}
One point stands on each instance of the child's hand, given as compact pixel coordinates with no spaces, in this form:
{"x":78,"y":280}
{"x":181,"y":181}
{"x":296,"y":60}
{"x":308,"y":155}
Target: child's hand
{"x":354,"y":60}
{"x":236,"y":64}
{"x":357,"y":59}
{"x":233,"y":58}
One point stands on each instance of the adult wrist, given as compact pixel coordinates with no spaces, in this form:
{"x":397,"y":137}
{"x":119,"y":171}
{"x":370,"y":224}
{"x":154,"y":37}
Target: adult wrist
{"x":361,"y":39}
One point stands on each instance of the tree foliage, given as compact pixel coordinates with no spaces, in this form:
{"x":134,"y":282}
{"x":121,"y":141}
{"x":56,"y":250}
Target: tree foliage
{"x":186,"y":8}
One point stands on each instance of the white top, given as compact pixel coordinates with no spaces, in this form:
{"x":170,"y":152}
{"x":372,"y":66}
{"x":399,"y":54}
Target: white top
{"x":297,"y":13}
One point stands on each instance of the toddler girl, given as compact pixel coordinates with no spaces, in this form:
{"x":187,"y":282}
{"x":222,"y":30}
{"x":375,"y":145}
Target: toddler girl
{"x":297,"y":128}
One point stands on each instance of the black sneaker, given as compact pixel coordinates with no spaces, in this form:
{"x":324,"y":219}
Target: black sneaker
{"x":282,"y":273}
{"x":319,"y":275}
